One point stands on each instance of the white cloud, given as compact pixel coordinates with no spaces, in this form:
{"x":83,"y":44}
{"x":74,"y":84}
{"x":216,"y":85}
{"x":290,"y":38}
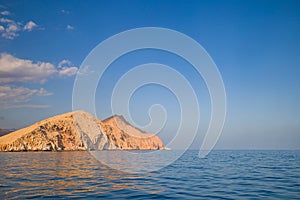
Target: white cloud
{"x":5,"y":13}
{"x":9,"y":28}
{"x":13,"y":69}
{"x":15,"y":97}
{"x":10,"y":32}
{"x":69,"y":27}
{"x":68,"y":71}
{"x":5,"y":20}
{"x":64,"y":63}
{"x":30,"y":26}
{"x":12,"y":27}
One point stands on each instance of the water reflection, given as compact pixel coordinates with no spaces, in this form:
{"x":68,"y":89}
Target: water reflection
{"x":137,"y":161}
{"x":40,"y":174}
{"x":224,"y":174}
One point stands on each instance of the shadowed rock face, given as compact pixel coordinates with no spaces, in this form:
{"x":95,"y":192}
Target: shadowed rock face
{"x":78,"y":131}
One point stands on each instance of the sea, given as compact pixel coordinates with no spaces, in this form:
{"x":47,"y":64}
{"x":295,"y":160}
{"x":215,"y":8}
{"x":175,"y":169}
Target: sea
{"x":223,"y":174}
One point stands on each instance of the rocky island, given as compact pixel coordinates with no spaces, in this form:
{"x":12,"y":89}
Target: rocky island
{"x":79,"y":130}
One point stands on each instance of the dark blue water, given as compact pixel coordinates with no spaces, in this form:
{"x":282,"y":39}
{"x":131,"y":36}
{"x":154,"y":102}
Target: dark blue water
{"x":222,"y":175}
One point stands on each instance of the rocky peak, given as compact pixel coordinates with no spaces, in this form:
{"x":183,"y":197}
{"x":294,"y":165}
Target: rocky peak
{"x":79,"y":130}
{"x":126,"y":136}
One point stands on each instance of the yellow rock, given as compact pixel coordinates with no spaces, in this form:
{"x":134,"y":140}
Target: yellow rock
{"x":79,"y":130}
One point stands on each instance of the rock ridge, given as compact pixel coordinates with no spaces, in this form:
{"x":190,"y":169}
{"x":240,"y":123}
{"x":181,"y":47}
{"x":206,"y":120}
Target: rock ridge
{"x":79,"y":130}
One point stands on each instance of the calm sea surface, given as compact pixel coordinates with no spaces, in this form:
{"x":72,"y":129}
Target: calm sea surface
{"x":222,"y":175}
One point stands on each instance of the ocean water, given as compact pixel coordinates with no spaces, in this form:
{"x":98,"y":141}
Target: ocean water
{"x":221,"y":175}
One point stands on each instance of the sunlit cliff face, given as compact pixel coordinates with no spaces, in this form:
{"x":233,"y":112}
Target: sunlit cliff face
{"x":79,"y":131}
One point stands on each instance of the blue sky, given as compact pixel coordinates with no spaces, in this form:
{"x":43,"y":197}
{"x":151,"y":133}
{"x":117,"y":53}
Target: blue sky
{"x":255,"y":44}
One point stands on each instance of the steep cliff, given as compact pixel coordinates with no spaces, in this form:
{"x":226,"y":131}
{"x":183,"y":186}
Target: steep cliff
{"x":125,"y":136}
{"x":78,"y":130}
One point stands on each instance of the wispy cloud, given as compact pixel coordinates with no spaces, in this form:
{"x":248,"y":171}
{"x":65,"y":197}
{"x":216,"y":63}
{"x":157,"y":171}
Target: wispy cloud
{"x":69,"y":27}
{"x":63,"y":63}
{"x":5,"y":20}
{"x":65,"y":68}
{"x":5,"y":13}
{"x":13,"y":69}
{"x":10,"y":29}
{"x":68,"y":71}
{"x":85,"y":70}
{"x":14,"y":97}
{"x":30,"y":26}
{"x":20,"y":70}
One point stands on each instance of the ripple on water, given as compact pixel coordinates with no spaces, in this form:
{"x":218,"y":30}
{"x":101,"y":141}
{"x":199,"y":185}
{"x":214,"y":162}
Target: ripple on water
{"x":222,"y":175}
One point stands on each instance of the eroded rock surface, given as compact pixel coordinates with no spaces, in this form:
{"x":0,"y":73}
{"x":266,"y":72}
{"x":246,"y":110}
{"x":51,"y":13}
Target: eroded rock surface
{"x":125,"y":136}
{"x":79,"y":130}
